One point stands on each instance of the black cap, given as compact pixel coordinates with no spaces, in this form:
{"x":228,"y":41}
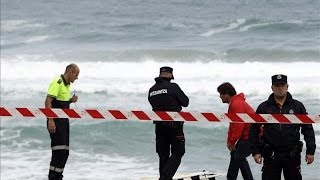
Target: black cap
{"x":279,"y":78}
{"x":167,"y":69}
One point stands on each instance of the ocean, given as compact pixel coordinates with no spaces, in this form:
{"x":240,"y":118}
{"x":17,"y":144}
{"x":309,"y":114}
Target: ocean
{"x":119,"y":47}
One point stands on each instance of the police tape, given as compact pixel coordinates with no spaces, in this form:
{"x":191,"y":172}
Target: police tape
{"x":157,"y":115}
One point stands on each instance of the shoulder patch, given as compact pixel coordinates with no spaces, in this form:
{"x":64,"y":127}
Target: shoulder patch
{"x":59,"y":81}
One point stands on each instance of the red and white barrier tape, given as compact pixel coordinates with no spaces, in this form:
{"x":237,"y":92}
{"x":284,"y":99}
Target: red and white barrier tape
{"x":157,"y":116}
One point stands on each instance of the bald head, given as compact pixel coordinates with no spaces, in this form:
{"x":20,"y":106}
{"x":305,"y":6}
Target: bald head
{"x":71,"y":73}
{"x":71,"y":67}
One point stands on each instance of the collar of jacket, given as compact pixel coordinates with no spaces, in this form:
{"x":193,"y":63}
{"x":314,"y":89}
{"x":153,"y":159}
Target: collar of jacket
{"x":162,"y":79}
{"x":271,"y":99}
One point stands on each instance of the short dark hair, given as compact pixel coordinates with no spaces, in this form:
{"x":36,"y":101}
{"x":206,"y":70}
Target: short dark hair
{"x":227,"y":88}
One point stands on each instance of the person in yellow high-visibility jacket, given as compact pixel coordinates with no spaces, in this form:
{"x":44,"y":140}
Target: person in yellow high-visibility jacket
{"x":58,"y":96}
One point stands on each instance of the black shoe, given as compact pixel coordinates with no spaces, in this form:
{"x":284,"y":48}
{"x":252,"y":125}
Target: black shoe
{"x":55,"y":176}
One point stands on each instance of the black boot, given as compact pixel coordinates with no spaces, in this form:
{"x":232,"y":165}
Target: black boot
{"x":55,"y":176}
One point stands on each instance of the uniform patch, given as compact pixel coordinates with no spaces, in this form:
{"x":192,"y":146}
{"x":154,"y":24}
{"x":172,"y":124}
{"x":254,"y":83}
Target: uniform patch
{"x":161,"y":91}
{"x":59,"y":81}
{"x":291,"y":111}
{"x":279,"y":76}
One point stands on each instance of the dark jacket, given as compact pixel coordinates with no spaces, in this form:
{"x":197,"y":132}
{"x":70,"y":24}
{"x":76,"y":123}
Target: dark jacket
{"x":281,"y":137}
{"x":167,"y":96}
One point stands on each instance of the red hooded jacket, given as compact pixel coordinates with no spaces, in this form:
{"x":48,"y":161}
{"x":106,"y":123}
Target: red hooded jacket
{"x":238,"y":130}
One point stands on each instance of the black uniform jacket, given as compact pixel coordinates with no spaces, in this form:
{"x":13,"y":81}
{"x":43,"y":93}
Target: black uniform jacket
{"x":167,"y":96}
{"x":281,"y":137}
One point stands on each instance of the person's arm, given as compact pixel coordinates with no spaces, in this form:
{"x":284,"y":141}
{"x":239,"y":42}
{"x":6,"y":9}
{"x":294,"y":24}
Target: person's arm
{"x":51,"y":123}
{"x":234,"y":134}
{"x":236,"y":129}
{"x":48,"y":102}
{"x":254,"y":132}
{"x":255,"y":143}
{"x":74,"y":98}
{"x":53,"y":91}
{"x":309,"y":138}
{"x":183,"y":99}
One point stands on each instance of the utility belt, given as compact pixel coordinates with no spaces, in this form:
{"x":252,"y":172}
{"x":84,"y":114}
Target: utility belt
{"x":269,"y":152}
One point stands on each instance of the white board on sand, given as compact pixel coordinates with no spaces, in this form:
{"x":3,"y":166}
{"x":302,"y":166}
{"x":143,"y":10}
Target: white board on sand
{"x":204,"y":175}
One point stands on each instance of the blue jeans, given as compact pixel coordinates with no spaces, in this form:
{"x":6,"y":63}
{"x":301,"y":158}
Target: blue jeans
{"x":238,"y":160}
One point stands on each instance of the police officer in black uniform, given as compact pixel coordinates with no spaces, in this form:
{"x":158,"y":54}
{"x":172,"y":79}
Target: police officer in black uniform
{"x":279,"y":144}
{"x":167,"y":96}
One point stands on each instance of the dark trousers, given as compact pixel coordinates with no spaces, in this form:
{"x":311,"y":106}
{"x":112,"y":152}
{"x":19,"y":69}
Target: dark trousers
{"x":170,"y":146}
{"x":273,"y":166}
{"x":60,"y":149}
{"x":238,"y":160}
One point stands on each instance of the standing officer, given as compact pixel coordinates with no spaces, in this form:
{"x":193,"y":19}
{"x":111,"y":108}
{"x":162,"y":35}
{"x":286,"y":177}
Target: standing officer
{"x":167,"y":96}
{"x":59,"y":97}
{"x":280,"y":145}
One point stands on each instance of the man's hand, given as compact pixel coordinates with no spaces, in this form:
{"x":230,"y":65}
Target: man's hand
{"x":258,"y":158}
{"x":230,"y":147}
{"x":309,"y":158}
{"x":51,"y":126}
{"x":74,"y":98}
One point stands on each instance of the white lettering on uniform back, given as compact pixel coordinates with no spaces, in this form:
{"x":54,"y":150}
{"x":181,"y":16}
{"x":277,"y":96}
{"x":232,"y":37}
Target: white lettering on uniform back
{"x":161,"y":91}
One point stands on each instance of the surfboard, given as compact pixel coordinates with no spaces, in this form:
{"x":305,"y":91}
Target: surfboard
{"x":203,"y":175}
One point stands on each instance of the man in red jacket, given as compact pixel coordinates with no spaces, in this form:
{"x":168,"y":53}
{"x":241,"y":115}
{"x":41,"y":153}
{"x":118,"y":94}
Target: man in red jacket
{"x":238,"y":133}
